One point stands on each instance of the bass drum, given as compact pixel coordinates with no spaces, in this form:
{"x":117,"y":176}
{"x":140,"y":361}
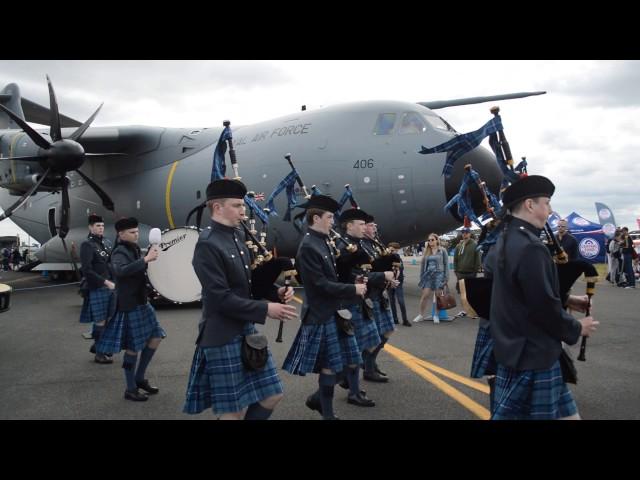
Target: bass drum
{"x":172,"y":276}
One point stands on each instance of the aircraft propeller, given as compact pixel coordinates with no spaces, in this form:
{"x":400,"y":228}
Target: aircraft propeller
{"x":58,"y":156}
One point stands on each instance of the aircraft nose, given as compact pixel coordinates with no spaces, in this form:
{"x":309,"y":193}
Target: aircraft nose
{"x":484,"y":162}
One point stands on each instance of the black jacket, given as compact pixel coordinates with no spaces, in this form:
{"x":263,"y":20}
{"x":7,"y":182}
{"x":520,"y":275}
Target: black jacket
{"x":528,"y":321}
{"x":375,"y":280}
{"x":95,"y":253}
{"x":129,"y":269}
{"x":222,"y":263}
{"x":316,"y":265}
{"x":570,"y":246}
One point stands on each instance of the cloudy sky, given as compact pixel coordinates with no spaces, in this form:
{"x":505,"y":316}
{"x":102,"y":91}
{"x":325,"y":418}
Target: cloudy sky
{"x":584,"y":133}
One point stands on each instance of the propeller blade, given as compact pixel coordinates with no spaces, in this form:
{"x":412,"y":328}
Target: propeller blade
{"x":64,"y":212}
{"x":35,"y":158}
{"x":33,"y":135}
{"x":56,"y":132}
{"x":471,"y":100}
{"x":106,"y":200}
{"x":82,"y":128}
{"x":9,"y":211}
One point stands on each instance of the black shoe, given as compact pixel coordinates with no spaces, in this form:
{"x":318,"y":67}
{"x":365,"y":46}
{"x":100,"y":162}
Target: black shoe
{"x":344,"y":384}
{"x":407,"y":324}
{"x":136,"y":396}
{"x":93,"y":349}
{"x":331,"y":418}
{"x":380,"y":371}
{"x":360,"y":401}
{"x":396,"y":322}
{"x":374,"y":377}
{"x":103,"y":359}
{"x":314,"y":404}
{"x":144,"y":385}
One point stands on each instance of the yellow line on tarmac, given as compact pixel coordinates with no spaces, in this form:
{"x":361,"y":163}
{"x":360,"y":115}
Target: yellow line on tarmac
{"x":415,"y":365}
{"x":167,"y":194}
{"x":454,"y":376}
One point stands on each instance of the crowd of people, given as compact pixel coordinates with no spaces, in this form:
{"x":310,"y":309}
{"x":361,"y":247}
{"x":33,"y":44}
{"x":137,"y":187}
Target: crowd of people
{"x":349,"y":310}
{"x":623,"y":261}
{"x":12,"y":259}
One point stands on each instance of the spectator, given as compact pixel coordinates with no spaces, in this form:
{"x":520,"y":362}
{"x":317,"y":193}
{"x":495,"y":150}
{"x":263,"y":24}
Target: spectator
{"x":16,"y":258}
{"x":567,"y":241}
{"x":398,"y":292}
{"x":627,"y":258}
{"x":615,"y":252}
{"x":466,"y":261}
{"x":434,"y":275}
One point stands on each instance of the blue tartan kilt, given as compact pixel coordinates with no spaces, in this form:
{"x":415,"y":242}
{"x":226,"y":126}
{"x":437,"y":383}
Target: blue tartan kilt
{"x":384,"y":318}
{"x":483,"y":363}
{"x":349,"y":348}
{"x":532,"y":395}
{"x":218,"y":379}
{"x":314,"y":348}
{"x":366,"y":330}
{"x":130,"y":330}
{"x":98,"y":306}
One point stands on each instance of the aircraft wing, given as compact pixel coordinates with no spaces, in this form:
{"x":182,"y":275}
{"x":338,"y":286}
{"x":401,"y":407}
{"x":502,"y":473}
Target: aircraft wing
{"x":434,"y":105}
{"x":36,"y":113}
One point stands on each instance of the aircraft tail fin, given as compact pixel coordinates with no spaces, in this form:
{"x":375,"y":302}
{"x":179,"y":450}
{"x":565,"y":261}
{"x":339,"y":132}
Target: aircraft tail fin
{"x":10,"y":98}
{"x":27,"y":110}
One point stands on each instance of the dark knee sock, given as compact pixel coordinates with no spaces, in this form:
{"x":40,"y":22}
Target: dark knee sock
{"x":492,"y":392}
{"x":145,"y":358}
{"x":257,"y":412}
{"x":378,"y":348}
{"x":367,"y":359}
{"x":97,"y":333}
{"x":129,"y":365}
{"x":353,"y":377}
{"x":327,"y":383}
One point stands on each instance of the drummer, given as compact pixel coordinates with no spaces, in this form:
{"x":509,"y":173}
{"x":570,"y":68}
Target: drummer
{"x":134,"y":327}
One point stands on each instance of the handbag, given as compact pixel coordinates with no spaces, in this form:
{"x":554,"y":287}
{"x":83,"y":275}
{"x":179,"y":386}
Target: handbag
{"x":254,"y":351}
{"x":445,"y":300}
{"x":344,"y":323}
{"x":569,"y":372}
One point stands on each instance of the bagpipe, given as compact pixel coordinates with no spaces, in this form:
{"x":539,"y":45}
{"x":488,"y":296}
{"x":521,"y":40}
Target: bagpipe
{"x":477,"y":291}
{"x":264,"y":277}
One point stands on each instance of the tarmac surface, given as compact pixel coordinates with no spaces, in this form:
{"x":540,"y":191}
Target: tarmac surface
{"x":47,"y":372}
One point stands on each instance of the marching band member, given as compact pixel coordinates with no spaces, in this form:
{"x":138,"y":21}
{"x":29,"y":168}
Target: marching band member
{"x":223,"y":377}
{"x":377,"y":292}
{"x":99,"y":303}
{"x":134,"y":327}
{"x":349,"y":265}
{"x":318,"y":347}
{"x":528,"y":322}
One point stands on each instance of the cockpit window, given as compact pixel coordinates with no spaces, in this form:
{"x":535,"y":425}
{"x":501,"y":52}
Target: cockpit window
{"x":438,"y":123}
{"x":412,"y":123}
{"x":384,"y":124}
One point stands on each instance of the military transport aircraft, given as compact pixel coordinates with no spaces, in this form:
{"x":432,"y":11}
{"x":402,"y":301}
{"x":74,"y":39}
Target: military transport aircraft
{"x":52,"y":178}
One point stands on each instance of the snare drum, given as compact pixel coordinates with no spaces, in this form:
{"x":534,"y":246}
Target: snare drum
{"x":5,"y":297}
{"x":171,"y":275}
